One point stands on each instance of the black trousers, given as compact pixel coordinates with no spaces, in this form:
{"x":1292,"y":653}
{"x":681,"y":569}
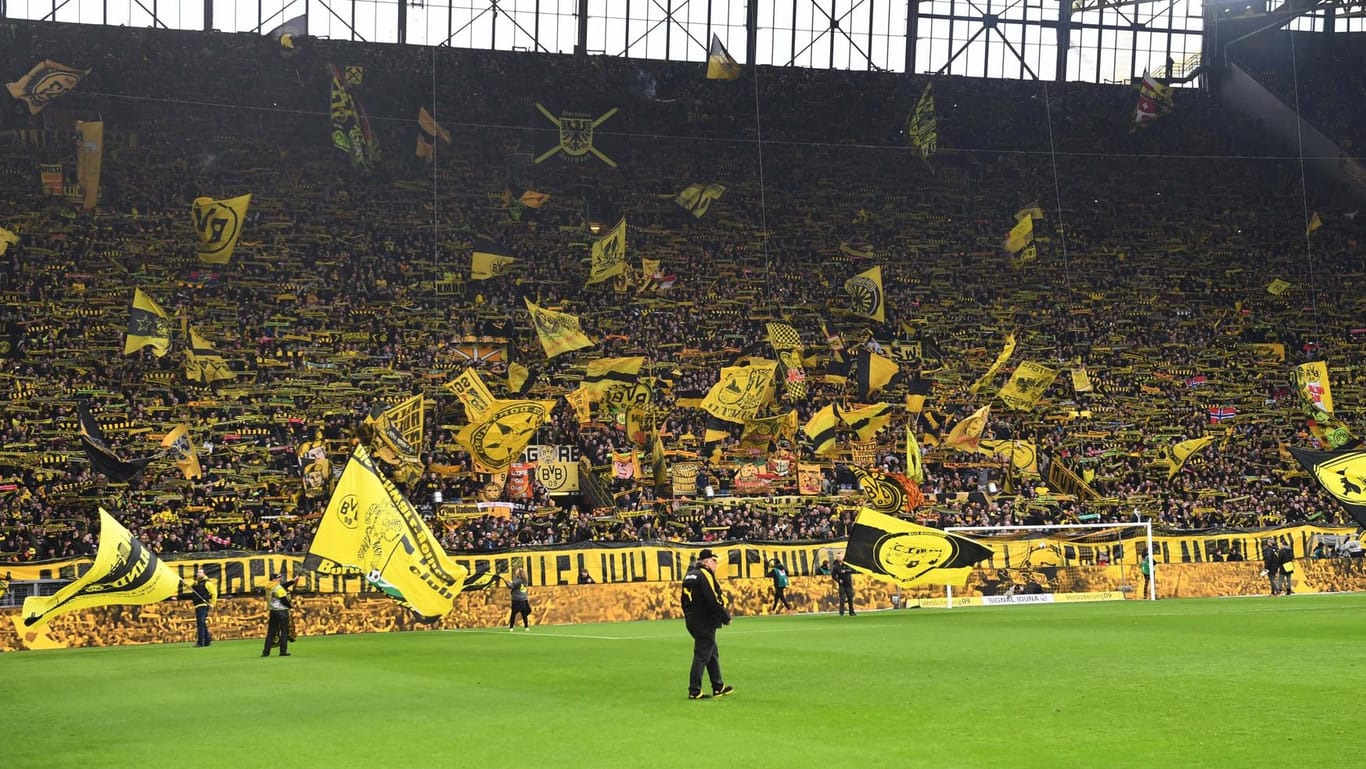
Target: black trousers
{"x":519,"y":607}
{"x":277,"y":632}
{"x":846,"y":599}
{"x":780,"y":596}
{"x":704,"y":655}
{"x":201,"y":625}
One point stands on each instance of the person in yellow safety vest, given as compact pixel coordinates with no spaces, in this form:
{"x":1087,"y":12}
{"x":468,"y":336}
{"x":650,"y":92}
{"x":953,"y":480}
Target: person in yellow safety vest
{"x":278,"y":602}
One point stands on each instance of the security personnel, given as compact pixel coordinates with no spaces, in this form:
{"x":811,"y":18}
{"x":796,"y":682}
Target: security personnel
{"x":843,"y":574}
{"x":205,"y":596}
{"x":704,"y":610}
{"x":277,"y":600}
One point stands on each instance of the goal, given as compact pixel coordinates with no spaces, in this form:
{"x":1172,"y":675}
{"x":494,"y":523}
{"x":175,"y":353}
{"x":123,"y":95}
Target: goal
{"x":1061,"y":562}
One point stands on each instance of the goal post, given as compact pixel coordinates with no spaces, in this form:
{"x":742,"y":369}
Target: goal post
{"x":1100,"y":540}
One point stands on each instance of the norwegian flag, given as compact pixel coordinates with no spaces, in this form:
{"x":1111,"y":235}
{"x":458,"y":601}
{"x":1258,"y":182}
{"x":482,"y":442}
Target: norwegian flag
{"x":1220,"y":413}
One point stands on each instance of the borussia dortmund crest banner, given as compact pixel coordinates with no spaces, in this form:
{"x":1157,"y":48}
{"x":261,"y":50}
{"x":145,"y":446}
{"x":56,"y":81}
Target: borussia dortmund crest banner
{"x":1311,"y":379}
{"x":892,"y":550}
{"x":865,"y":295}
{"x":148,"y":326}
{"x":497,"y":438}
{"x":741,"y":391}
{"x":609,"y":254}
{"x":1027,"y":385}
{"x":490,"y":260}
{"x":697,"y":198}
{"x":218,"y":224}
{"x":45,"y":82}
{"x":125,"y":572}
{"x":1342,"y":474}
{"x":922,"y":130}
{"x":370,"y":529}
{"x":558,"y":331}
{"x":888,"y":493}
{"x":576,"y":136}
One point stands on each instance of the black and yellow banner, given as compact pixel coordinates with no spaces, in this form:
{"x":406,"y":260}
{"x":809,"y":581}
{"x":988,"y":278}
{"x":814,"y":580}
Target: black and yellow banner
{"x":1340,"y":473}
{"x":696,"y":199}
{"x":720,"y":64}
{"x":558,"y":332}
{"x":922,"y":129}
{"x":218,"y":225}
{"x":741,"y":390}
{"x":609,"y":254}
{"x":44,"y":83}
{"x":490,"y":260}
{"x":894,"y":550}
{"x":148,"y":326}
{"x":865,"y":295}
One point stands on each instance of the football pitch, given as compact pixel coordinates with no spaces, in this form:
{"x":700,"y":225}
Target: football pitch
{"x":1179,"y":683}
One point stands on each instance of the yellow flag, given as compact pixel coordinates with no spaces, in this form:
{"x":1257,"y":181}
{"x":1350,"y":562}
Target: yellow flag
{"x":609,"y":254}
{"x":922,"y":129}
{"x":218,"y":224}
{"x":915,"y":467}
{"x":697,"y":198}
{"x":125,"y":572}
{"x":1021,"y":235}
{"x":469,"y":387}
{"x":1023,"y":455}
{"x":7,"y":239}
{"x":371,"y":530}
{"x":1278,"y":287}
{"x":1185,"y":450}
{"x":604,"y":374}
{"x":148,"y":325}
{"x":498,"y":437}
{"x":967,"y":434}
{"x":865,"y":294}
{"x":1314,"y":223}
{"x":737,"y":396}
{"x":558,"y":331}
{"x":822,"y":429}
{"x":177,"y":442}
{"x":720,"y":64}
{"x":582,"y":402}
{"x":865,"y":421}
{"x":1081,"y":380}
{"x":1311,"y":379}
{"x":490,"y":260}
{"x":1001,"y":358}
{"x":517,"y":376}
{"x":90,"y":160}
{"x":46,"y":81}
{"x":1027,"y":385}
{"x":892,"y":550}
{"x":203,"y":363}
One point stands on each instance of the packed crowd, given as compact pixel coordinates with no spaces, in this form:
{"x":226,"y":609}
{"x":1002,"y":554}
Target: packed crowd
{"x":349,"y":289}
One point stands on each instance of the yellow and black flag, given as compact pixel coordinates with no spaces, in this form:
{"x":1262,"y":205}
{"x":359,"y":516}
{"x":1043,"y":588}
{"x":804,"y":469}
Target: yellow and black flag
{"x":218,"y":224}
{"x":1315,"y":222}
{"x":697,"y":198}
{"x":45,"y":82}
{"x":872,"y":372}
{"x":720,"y":65}
{"x":558,"y":331}
{"x":125,"y":573}
{"x":177,"y":442}
{"x":741,"y":390}
{"x":865,"y":295}
{"x":609,"y":254}
{"x":605,"y":374}
{"x":922,"y":128}
{"x":497,"y":438}
{"x":1154,"y":101}
{"x":865,"y":421}
{"x":490,"y":260}
{"x":148,"y":325}
{"x":892,"y":550}
{"x":1342,"y":474}
{"x":370,"y":529}
{"x":822,"y":429}
{"x":888,"y":493}
{"x":1027,"y":384}
{"x":102,"y":458}
{"x":1020,"y":243}
{"x":7,"y":239}
{"x":290,"y":34}
{"x":1180,"y":452}
{"x":428,"y":132}
{"x":203,"y":363}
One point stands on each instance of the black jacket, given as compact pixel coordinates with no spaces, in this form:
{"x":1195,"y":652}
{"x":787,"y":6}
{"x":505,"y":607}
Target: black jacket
{"x":702,"y":600}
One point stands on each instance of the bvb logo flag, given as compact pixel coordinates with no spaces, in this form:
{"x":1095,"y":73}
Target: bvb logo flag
{"x":125,"y":572}
{"x":490,"y":260}
{"x":148,"y":325}
{"x":1311,"y":380}
{"x":922,"y":129}
{"x":45,"y":82}
{"x":888,"y":493}
{"x":558,"y":331}
{"x":1342,"y":474}
{"x":218,"y":224}
{"x":865,"y":294}
{"x":371,"y":530}
{"x":1027,"y":385}
{"x":576,"y":136}
{"x":609,"y":254}
{"x":892,"y":550}
{"x":697,"y":198}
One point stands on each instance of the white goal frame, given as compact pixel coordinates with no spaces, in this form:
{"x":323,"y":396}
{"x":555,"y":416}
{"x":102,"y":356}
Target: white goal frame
{"x":1147,"y":527}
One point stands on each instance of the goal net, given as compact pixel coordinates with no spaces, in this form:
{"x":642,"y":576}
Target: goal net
{"x":1058,"y":563}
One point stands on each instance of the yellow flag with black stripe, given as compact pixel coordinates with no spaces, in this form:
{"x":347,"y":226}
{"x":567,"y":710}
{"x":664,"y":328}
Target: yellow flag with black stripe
{"x":148,"y":326}
{"x":125,"y":572}
{"x":1180,"y":452}
{"x":865,"y":421}
{"x":558,"y":332}
{"x":609,"y":254}
{"x":822,"y":429}
{"x":697,"y":198}
{"x":469,"y":387}
{"x":892,"y":550}
{"x":720,"y":64}
{"x":203,"y":363}
{"x":605,"y":374}
{"x":218,"y":224}
{"x":490,"y":260}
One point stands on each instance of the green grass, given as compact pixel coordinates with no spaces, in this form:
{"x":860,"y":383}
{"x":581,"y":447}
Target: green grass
{"x":1188,"y":683}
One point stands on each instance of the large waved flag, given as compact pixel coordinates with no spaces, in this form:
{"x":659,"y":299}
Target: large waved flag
{"x":558,"y":332}
{"x":720,"y":64}
{"x":1027,"y":384}
{"x":1020,"y":244}
{"x":1180,"y":452}
{"x":1154,"y":101}
{"x":888,"y":493}
{"x":101,"y":456}
{"x":822,"y":429}
{"x":865,"y":421}
{"x":1311,"y":380}
{"x":892,"y":550}
{"x":289,"y":32}
{"x":922,"y":128}
{"x":865,"y":295}
{"x":872,"y":372}
{"x":218,"y":224}
{"x":490,"y":260}
{"x":605,"y":374}
{"x":967,"y":434}
{"x":203,"y":363}
{"x":148,"y":326}
{"x":178,"y":443}
{"x":125,"y":572}
{"x":697,"y":198}
{"x":496,"y":438}
{"x":740,"y":391}
{"x":428,"y":132}
{"x":1340,"y":473}
{"x":1001,"y":358}
{"x":469,"y":387}
{"x":46,"y":81}
{"x":370,"y":529}
{"x":351,"y":132}
{"x":609,"y":254}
